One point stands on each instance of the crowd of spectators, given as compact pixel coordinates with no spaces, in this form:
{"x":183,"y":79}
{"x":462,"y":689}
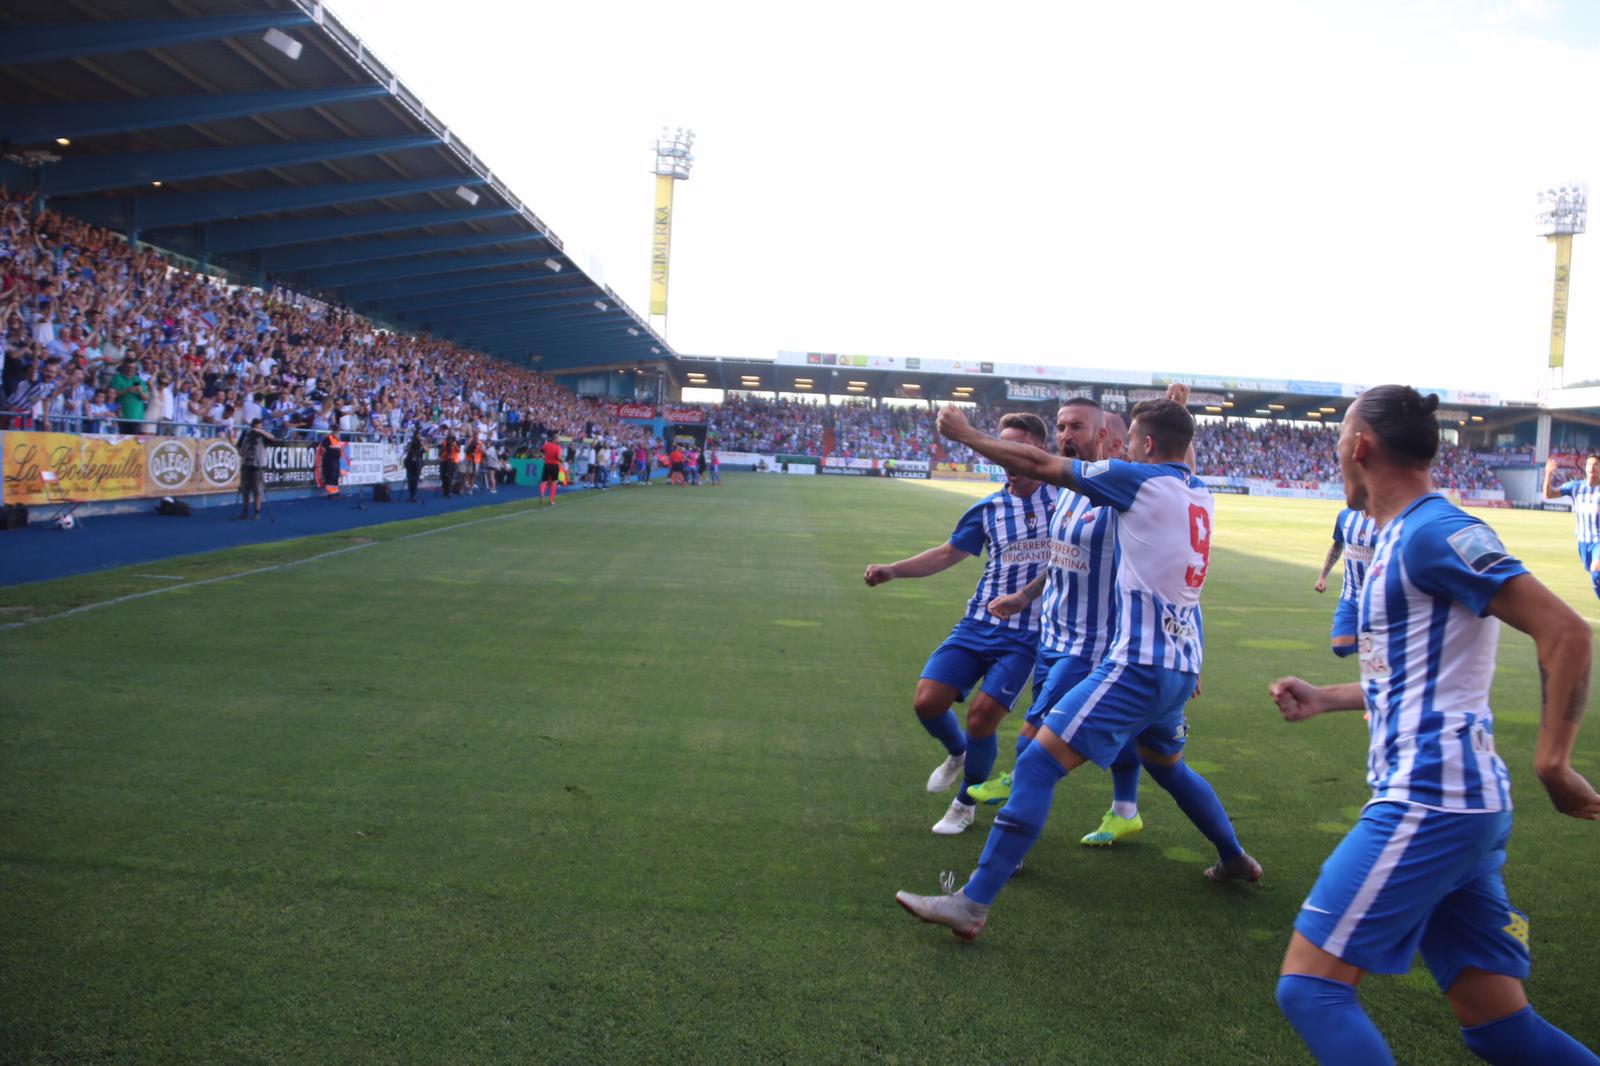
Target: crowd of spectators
{"x":98,"y":335}
{"x":1230,"y":449}
{"x":1306,"y":453}
{"x":858,"y":430}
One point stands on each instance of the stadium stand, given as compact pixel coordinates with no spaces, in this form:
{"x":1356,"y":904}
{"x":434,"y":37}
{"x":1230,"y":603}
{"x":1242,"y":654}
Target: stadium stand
{"x":101,"y":336}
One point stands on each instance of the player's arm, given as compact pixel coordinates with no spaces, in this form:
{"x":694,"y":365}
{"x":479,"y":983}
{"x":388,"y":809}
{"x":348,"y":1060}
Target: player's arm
{"x":1298,"y":700}
{"x":1563,"y":641}
{"x":1023,"y":460}
{"x":1013,"y":602}
{"x":1178,"y":392}
{"x":923,"y":564}
{"x":1334,"y":552}
{"x":1552,"y":491}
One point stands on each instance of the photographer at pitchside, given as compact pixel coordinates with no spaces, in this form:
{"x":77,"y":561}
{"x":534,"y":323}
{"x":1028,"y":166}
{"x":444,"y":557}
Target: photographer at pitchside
{"x":253,"y":444}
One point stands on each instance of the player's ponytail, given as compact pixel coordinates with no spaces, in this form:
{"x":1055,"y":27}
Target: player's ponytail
{"x":1404,"y":420}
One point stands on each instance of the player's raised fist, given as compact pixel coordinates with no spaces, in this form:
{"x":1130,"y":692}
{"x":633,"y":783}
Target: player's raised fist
{"x":952,"y":423}
{"x":1296,"y":699}
{"x":877,"y":574}
{"x":1571,"y":793}
{"x":1178,"y":392}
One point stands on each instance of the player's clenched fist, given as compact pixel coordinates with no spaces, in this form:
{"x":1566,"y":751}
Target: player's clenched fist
{"x":952,"y":423}
{"x":877,"y":574}
{"x":1008,"y":605}
{"x":1296,"y":699}
{"x":1571,"y":793}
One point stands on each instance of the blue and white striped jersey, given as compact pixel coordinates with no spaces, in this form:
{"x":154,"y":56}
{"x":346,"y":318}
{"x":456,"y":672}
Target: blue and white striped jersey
{"x":1427,"y":659}
{"x":1163,"y":549}
{"x":1585,"y":509}
{"x":1358,"y":532}
{"x":1015,"y":533}
{"x":1078,"y":611}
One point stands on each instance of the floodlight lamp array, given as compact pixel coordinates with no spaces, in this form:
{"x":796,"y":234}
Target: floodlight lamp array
{"x":1563,"y":211}
{"x":674,"y":153}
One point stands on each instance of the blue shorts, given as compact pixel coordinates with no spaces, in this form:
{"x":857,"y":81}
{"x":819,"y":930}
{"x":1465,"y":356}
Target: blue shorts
{"x":1119,"y":702}
{"x":1054,"y":675}
{"x":1408,"y":878}
{"x":1346,"y":623}
{"x":1003,"y":658}
{"x":1586,"y":556}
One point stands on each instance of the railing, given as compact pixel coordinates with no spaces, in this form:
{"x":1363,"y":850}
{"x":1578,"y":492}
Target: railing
{"x":11,"y":419}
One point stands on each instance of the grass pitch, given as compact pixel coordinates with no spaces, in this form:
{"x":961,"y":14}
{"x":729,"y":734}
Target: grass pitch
{"x":635,"y":779}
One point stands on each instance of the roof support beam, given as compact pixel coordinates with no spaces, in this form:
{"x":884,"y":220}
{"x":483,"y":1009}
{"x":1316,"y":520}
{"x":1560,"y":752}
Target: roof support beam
{"x":69,"y":40}
{"x":352,"y":276}
{"x":525,"y":312}
{"x":158,"y":211}
{"x":418,"y":306}
{"x":332,"y":253}
{"x":248,"y":236}
{"x":389,"y":292}
{"x":562,"y":326}
{"x":98,"y":173}
{"x":44,"y":122}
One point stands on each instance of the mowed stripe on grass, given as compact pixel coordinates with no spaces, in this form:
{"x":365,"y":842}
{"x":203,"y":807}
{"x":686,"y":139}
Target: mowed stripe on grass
{"x":635,"y":778}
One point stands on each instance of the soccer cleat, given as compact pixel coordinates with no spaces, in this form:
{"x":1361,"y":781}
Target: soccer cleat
{"x":995,"y":790}
{"x":1243,"y":868}
{"x":947,"y":773}
{"x":1112,"y":829}
{"x":955,"y":911}
{"x":956,"y":819}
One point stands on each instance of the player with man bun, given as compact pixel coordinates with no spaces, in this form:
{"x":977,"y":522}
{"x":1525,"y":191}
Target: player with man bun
{"x":1421,"y":870}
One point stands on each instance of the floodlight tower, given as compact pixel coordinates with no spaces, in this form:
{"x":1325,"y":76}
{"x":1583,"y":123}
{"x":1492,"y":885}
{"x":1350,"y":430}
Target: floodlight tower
{"x":673,"y":160}
{"x":1563,"y":214}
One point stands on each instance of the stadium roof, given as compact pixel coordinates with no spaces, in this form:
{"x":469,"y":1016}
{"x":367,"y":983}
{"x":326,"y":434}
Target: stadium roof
{"x":991,"y":382}
{"x":303,"y":162}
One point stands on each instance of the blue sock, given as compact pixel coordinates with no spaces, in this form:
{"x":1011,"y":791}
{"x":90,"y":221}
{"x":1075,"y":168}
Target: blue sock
{"x":1125,"y":777}
{"x":1330,"y":1020}
{"x":1023,"y":740}
{"x":1019,"y":823}
{"x":1526,"y":1037}
{"x":981,"y":754}
{"x":1197,"y":799}
{"x":947,"y":731}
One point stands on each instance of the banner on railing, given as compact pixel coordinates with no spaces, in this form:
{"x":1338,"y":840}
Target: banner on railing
{"x":963,"y":472}
{"x":291,"y":464}
{"x":900,"y":468}
{"x":102,"y":467}
{"x":631,"y":410}
{"x":684,"y":416}
{"x":371,"y":463}
{"x":185,"y":466}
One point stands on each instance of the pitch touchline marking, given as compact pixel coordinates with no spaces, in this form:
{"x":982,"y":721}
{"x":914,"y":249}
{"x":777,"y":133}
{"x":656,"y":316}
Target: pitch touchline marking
{"x":258,"y":570}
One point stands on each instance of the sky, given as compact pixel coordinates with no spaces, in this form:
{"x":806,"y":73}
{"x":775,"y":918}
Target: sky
{"x":1339,"y":190}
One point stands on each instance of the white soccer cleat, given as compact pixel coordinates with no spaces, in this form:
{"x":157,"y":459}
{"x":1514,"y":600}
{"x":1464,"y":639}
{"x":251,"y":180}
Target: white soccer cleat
{"x":947,"y":773}
{"x":956,"y":819}
{"x":955,"y":912}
